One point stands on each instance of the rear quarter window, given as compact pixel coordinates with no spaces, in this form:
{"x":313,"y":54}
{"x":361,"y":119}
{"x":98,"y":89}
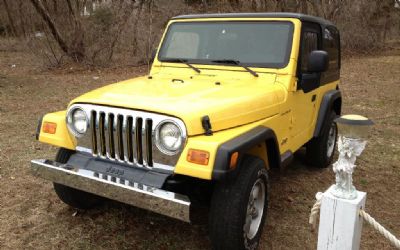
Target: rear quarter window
{"x":331,"y":44}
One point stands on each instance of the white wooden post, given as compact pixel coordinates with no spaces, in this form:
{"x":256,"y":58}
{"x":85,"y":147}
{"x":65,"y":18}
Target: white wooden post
{"x":340,"y":224}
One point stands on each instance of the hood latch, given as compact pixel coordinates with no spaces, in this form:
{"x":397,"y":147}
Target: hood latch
{"x":206,"y":123}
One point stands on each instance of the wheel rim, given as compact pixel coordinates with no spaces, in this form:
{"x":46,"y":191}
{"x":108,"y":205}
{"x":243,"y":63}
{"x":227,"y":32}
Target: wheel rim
{"x":331,"y":140}
{"x":255,"y":209}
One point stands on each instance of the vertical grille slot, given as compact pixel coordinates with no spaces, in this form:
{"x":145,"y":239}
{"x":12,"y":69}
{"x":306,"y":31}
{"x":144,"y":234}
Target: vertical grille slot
{"x":102,"y":134}
{"x":110,"y":132}
{"x":149,"y":147}
{"x":129,"y":143}
{"x":120,"y":142}
{"x":93,"y":120}
{"x":138,"y":133}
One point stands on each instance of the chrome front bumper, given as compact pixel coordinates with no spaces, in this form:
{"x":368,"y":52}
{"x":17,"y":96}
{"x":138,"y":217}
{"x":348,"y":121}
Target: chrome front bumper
{"x":157,"y":200}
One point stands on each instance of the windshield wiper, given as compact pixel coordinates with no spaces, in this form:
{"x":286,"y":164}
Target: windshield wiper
{"x":172,"y":60}
{"x":235,"y":62}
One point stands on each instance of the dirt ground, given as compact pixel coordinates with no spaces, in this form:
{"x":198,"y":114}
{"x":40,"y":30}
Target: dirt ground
{"x":32,"y":217}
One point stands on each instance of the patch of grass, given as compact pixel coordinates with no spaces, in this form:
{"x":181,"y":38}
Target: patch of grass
{"x":363,"y":182}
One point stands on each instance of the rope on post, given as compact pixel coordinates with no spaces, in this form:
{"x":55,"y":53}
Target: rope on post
{"x":315,"y":212}
{"x":380,"y":228}
{"x":368,"y":218}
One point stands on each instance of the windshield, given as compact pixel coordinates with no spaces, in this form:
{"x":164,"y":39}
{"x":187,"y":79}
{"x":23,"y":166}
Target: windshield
{"x":256,"y":44}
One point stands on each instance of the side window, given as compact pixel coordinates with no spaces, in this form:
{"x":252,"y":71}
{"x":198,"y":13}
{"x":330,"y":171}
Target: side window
{"x":309,"y":43}
{"x":331,"y":45}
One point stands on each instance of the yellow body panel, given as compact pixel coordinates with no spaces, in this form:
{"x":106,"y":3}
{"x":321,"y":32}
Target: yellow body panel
{"x":62,"y":137}
{"x":195,"y":98}
{"x":237,"y":104}
{"x":210,"y":144}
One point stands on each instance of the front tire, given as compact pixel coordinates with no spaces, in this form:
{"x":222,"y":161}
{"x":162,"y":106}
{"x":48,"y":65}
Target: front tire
{"x":71,"y":196}
{"x":320,"y":150}
{"x":239,"y":207}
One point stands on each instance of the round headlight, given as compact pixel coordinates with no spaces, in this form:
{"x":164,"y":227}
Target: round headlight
{"x":169,"y":138}
{"x":77,"y":121}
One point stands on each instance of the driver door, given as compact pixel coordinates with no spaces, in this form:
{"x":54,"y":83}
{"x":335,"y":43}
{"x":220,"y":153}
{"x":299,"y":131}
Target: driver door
{"x":304,"y":104}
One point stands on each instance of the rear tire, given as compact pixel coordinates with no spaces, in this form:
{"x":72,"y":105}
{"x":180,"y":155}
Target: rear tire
{"x":71,"y":196}
{"x":239,"y":207}
{"x":320,"y":150}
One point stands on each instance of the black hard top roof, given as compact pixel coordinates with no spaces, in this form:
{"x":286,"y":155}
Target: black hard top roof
{"x":301,"y":17}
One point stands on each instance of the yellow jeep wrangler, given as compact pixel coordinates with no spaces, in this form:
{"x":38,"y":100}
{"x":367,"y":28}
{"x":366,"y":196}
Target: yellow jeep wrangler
{"x":228,"y":97}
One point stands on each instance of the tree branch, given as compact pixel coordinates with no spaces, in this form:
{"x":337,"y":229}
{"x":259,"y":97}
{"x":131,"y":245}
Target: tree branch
{"x":51,"y":25}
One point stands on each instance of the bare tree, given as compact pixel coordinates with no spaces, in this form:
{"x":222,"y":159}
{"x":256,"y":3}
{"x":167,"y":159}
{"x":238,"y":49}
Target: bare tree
{"x":121,"y":25}
{"x":10,"y":17}
{"x":75,"y":50}
{"x":98,"y":32}
{"x":327,"y":9}
{"x":51,"y":25}
{"x":136,"y":28}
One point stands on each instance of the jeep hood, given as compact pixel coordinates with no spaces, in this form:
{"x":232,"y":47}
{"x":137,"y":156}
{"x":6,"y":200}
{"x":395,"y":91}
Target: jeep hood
{"x":228,"y":103}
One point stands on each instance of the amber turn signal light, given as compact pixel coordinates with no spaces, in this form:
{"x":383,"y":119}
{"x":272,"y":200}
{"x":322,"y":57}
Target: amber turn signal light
{"x":198,"y":156}
{"x":49,"y":127}
{"x":234,"y":160}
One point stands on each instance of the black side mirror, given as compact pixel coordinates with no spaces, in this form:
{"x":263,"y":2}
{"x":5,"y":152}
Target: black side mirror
{"x":318,"y":61}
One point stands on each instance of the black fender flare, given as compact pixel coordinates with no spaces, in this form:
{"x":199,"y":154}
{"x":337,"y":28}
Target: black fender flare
{"x":332,"y":100}
{"x":241,"y":144}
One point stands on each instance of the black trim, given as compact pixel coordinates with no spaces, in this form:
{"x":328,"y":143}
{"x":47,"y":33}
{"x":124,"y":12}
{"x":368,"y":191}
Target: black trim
{"x":286,"y":158}
{"x":299,"y":16}
{"x":232,"y":70}
{"x":38,"y":128}
{"x":206,"y":123}
{"x":326,"y":106}
{"x":241,"y":144}
{"x":313,"y":98}
{"x":313,"y":28}
{"x":331,"y":74}
{"x":119,"y":170}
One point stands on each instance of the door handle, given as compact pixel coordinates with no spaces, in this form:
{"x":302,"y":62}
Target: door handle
{"x":313,"y":98}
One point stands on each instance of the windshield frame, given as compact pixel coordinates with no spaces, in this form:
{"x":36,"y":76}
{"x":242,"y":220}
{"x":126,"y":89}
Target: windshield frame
{"x":254,"y":65}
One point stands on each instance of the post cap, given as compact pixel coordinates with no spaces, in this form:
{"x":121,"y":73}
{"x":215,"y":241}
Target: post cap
{"x":356,"y":120}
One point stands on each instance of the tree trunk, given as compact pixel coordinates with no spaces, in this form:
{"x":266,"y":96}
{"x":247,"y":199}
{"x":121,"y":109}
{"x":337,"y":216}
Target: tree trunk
{"x":303,"y":6}
{"x":205,"y":5}
{"x":77,"y":48}
{"x":121,"y":25}
{"x":22,"y":18}
{"x":317,"y":6}
{"x":10,"y":18}
{"x":136,"y":28}
{"x":51,"y":25}
{"x":280,"y":6}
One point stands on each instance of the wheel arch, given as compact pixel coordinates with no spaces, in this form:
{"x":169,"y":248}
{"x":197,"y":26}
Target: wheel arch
{"x":245,"y":143}
{"x":337,"y":105}
{"x":332,"y":100}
